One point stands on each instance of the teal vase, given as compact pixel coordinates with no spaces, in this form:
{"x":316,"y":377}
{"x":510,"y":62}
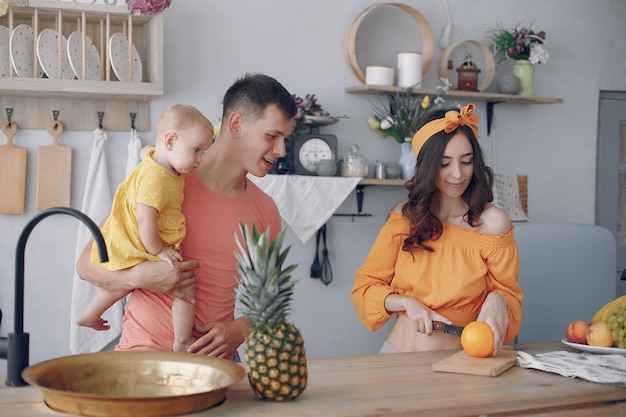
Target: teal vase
{"x":525,"y":73}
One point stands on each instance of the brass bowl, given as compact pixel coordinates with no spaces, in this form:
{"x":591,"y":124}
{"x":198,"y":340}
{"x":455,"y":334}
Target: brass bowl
{"x":137,"y":383}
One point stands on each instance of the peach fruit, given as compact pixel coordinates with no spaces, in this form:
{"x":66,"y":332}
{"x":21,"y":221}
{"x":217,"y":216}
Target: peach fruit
{"x":576,"y":332}
{"x":599,"y":334}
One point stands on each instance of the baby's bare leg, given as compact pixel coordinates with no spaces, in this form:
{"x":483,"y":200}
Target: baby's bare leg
{"x":183,"y":314}
{"x":101,"y":301}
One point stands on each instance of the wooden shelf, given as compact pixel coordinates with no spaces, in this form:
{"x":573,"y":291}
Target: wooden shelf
{"x":467,"y":95}
{"x":360,"y":193}
{"x":490,"y":98}
{"x":44,"y":87}
{"x":79,"y":101}
{"x":373,"y":181}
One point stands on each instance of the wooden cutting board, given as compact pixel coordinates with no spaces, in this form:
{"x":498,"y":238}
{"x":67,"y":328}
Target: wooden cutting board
{"x":54,"y":171}
{"x":462,"y":363}
{"x":12,"y":173}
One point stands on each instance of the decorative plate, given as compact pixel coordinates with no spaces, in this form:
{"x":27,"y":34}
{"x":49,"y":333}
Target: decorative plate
{"x":321,"y":120}
{"x":48,"y":54}
{"x":5,"y":53}
{"x":118,"y":49}
{"x":75,"y":55}
{"x":594,"y":349}
{"x":21,"y":46}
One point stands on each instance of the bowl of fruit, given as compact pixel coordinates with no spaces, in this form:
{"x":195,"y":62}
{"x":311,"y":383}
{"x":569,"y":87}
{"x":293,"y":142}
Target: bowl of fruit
{"x":605,"y":333}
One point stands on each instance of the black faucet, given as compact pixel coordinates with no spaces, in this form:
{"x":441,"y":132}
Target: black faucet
{"x":15,"y":347}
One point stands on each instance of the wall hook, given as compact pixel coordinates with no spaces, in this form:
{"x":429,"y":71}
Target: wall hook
{"x":55,"y":116}
{"x":100,"y":117}
{"x":132,"y":120}
{"x":9,"y":114}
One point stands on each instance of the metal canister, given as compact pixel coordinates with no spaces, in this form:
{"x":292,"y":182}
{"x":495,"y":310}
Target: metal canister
{"x":379,"y":170}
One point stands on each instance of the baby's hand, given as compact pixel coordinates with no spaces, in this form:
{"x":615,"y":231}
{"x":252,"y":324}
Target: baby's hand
{"x":170,"y":255}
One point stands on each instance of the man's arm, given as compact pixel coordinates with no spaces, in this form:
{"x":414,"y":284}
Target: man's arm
{"x":159,"y":277}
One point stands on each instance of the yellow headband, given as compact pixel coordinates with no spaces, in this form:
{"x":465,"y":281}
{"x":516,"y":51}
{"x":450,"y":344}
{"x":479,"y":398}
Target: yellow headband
{"x":450,"y":122}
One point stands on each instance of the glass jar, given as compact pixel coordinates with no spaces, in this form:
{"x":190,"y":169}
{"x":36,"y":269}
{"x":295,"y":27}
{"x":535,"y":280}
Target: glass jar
{"x":354,"y":164}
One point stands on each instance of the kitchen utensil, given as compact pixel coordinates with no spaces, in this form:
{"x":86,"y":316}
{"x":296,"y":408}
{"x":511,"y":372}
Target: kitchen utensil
{"x":447,"y":328}
{"x":354,"y":164}
{"x":75,"y":55}
{"x":12,"y":173}
{"x":327,"y":271}
{"x":393,"y":170}
{"x":321,"y":120}
{"x":309,"y":149}
{"x":462,"y":363}
{"x":54,"y":171}
{"x":326,"y":168}
{"x":5,"y":53}
{"x":379,"y":170}
{"x":48,"y":55}
{"x":594,"y":349}
{"x":22,"y":49}
{"x":316,"y":266}
{"x":118,"y":47}
{"x":133,"y":383}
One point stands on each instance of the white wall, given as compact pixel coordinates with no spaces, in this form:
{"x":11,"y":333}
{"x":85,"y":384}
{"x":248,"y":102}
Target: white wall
{"x":210,"y":43}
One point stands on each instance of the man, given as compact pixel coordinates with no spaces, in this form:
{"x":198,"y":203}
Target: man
{"x":257,"y":116}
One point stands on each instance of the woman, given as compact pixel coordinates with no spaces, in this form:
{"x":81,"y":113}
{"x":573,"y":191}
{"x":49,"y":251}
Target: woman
{"x":446,"y":254}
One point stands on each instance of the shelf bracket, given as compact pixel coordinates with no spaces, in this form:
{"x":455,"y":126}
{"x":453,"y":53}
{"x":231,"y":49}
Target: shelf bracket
{"x":490,"y":106}
{"x":360,"y":193}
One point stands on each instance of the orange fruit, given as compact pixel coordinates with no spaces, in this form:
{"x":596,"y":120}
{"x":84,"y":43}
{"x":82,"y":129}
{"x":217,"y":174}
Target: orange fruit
{"x":477,"y":339}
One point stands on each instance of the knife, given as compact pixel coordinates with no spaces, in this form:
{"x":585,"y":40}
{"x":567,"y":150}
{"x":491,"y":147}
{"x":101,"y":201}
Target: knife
{"x":448,"y":328}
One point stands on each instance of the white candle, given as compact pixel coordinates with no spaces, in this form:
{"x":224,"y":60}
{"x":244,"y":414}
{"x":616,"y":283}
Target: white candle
{"x":409,"y":69}
{"x":379,"y":75}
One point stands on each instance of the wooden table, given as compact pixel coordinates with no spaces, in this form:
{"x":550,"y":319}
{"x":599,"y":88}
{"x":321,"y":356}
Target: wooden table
{"x":400,"y":385}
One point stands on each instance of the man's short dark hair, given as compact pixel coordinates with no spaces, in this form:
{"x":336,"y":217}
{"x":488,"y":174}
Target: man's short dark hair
{"x":252,"y":93}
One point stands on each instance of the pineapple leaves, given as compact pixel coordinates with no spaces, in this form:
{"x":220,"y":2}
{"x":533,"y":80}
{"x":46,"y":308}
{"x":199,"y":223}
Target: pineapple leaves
{"x":265,"y":286}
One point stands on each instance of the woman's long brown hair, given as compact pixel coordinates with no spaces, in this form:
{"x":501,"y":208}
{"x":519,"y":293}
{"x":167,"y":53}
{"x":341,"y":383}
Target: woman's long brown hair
{"x":422,"y":187}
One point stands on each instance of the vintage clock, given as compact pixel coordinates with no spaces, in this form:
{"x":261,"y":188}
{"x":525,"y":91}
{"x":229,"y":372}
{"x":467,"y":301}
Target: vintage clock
{"x":311,"y":148}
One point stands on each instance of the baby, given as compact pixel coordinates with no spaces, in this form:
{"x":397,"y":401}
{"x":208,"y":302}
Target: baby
{"x":146,"y":222}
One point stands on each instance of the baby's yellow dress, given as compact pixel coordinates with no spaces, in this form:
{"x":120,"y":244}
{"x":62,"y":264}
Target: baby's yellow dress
{"x":155,"y":186}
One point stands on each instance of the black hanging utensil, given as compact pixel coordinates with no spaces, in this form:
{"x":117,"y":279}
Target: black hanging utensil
{"x":316,"y":266}
{"x":327,"y":271}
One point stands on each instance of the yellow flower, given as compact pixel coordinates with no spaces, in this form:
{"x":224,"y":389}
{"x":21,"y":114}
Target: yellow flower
{"x":4,"y":6}
{"x":216,"y":129}
{"x":374,"y":124}
{"x":398,"y":114}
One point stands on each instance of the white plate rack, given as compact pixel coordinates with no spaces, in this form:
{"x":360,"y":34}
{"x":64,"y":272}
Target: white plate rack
{"x":83,"y":97}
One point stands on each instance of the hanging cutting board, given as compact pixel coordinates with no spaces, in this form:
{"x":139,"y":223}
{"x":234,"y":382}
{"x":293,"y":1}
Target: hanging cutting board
{"x":54,"y":171}
{"x":462,"y":363}
{"x":12,"y":173}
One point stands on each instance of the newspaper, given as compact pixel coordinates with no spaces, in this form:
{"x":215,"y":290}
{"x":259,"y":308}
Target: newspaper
{"x":604,"y":369}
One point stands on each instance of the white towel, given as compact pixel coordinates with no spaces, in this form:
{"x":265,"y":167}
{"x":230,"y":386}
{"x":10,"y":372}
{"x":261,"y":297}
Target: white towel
{"x":306,"y":202}
{"x":97,"y":205}
{"x":604,"y":369}
{"x":134,"y":148}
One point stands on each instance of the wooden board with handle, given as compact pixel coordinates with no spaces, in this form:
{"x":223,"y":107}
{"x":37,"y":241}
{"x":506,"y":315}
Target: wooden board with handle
{"x":12,"y":173}
{"x":462,"y":363}
{"x":54,"y":172}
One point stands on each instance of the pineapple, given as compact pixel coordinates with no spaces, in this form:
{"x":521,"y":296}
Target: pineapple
{"x":274,"y":352}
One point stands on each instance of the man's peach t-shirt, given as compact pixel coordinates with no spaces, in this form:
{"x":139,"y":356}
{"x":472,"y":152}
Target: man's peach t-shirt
{"x":211,"y":221}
